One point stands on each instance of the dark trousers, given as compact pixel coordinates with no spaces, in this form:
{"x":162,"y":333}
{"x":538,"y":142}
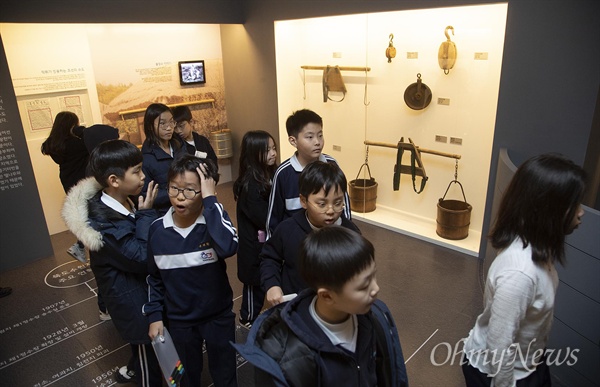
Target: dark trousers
{"x":216,"y":333}
{"x":145,"y":364}
{"x":101,"y":304}
{"x":253,"y":298}
{"x":538,"y":378}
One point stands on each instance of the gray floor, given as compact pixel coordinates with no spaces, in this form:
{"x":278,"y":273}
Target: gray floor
{"x":50,"y":333}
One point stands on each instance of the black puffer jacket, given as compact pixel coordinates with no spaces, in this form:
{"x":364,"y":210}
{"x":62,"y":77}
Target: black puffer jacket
{"x":289,"y":349}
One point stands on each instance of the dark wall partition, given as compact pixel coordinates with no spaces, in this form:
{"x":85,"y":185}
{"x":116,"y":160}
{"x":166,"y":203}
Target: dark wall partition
{"x":23,"y":234}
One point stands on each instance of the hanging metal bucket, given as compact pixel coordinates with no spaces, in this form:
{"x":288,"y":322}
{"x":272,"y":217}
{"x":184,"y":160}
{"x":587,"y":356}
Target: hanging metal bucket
{"x":221,"y":143}
{"x":363,"y":192}
{"x":453,"y":216}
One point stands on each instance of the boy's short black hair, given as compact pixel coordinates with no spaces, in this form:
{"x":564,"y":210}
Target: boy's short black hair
{"x":299,"y":119}
{"x":113,"y":157}
{"x":319,"y":174}
{"x":181,"y":113}
{"x":332,"y":256}
{"x":189,"y":163}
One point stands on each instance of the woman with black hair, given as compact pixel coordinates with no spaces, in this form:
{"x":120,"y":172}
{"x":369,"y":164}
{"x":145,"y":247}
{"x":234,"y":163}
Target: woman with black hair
{"x":66,"y":147}
{"x":258,"y":162}
{"x":540,"y":207}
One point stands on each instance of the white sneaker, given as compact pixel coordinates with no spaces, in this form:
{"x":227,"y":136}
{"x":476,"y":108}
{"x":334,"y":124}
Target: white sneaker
{"x":77,"y":252}
{"x":105,"y":316}
{"x":125,"y":376}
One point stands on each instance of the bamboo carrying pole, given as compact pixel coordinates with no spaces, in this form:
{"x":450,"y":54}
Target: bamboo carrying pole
{"x":422,"y":150}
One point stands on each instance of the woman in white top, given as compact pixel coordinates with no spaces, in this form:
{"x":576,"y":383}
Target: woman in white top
{"x":540,"y":207}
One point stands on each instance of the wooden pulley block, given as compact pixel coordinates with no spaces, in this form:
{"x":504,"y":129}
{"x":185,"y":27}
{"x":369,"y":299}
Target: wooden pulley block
{"x":390,"y":51}
{"x":447,"y":52}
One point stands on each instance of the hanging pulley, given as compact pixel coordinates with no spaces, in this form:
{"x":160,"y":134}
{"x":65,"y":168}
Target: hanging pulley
{"x":447,"y":52}
{"x":390,"y":52}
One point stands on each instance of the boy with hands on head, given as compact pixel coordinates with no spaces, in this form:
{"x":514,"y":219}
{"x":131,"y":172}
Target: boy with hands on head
{"x":188,"y":283}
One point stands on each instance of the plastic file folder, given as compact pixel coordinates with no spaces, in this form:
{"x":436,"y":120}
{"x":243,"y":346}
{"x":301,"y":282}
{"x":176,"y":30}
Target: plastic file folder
{"x":168,"y":358}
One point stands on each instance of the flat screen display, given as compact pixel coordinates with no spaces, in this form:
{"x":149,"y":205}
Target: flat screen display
{"x":192,"y":72}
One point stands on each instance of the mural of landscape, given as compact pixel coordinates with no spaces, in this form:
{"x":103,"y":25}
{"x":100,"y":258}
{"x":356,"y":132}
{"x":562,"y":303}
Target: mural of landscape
{"x":163,"y":86}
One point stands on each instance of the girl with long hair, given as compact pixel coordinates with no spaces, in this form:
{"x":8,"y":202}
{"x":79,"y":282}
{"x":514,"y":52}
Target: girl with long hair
{"x":540,"y":207}
{"x":258,"y":162}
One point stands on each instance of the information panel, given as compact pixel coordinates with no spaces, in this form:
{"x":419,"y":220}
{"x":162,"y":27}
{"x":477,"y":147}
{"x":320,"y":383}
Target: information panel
{"x":23,"y":233}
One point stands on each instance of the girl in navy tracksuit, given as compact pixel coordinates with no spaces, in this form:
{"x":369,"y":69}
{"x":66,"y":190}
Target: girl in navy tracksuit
{"x":258,"y":159}
{"x":188,"y":284}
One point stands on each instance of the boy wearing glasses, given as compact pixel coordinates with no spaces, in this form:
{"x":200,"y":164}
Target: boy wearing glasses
{"x":187,"y":281}
{"x":322,"y":188}
{"x":198,"y":145}
{"x":305,"y":130}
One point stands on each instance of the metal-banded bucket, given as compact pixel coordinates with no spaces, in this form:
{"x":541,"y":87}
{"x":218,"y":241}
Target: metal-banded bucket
{"x":453,"y":216}
{"x":363,"y":192}
{"x":221,"y":143}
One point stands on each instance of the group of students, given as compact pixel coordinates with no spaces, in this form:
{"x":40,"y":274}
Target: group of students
{"x":161,"y":262}
{"x":298,"y":244}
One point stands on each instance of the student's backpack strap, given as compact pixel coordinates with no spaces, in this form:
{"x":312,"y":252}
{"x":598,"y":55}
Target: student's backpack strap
{"x":391,"y":367}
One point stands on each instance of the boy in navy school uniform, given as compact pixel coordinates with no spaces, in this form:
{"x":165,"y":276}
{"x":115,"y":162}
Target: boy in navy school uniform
{"x":188,"y":283}
{"x":197,"y":144}
{"x":305,"y":131}
{"x":322,"y":189}
{"x":336,"y":332}
{"x":100,"y":213}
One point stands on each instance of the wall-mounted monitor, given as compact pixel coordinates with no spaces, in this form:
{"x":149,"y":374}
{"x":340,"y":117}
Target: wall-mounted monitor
{"x":192,"y":72}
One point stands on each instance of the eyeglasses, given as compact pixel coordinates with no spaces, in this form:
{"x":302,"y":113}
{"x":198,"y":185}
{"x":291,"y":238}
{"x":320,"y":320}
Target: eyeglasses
{"x":188,"y":193}
{"x":323,"y":208}
{"x":164,"y":125}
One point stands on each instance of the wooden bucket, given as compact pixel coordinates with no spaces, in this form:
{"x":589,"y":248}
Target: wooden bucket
{"x":221,"y":143}
{"x":363,"y":192}
{"x":453,"y":216}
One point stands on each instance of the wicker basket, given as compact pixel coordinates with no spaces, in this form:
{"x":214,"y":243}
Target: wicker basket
{"x":363,"y":192}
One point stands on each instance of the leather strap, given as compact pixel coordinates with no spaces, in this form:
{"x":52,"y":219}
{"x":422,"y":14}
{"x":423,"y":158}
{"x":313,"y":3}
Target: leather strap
{"x":397,"y":168}
{"x":413,"y":174}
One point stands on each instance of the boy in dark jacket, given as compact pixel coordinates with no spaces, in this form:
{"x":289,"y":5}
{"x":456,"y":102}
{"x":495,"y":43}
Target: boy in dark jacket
{"x":198,"y":145}
{"x":100,"y":213}
{"x":188,"y":283}
{"x":336,"y":333}
{"x":322,"y":192}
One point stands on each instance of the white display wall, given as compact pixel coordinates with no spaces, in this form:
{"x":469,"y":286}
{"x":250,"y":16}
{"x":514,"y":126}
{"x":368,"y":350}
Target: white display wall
{"x":57,"y":67}
{"x":374,"y":107}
